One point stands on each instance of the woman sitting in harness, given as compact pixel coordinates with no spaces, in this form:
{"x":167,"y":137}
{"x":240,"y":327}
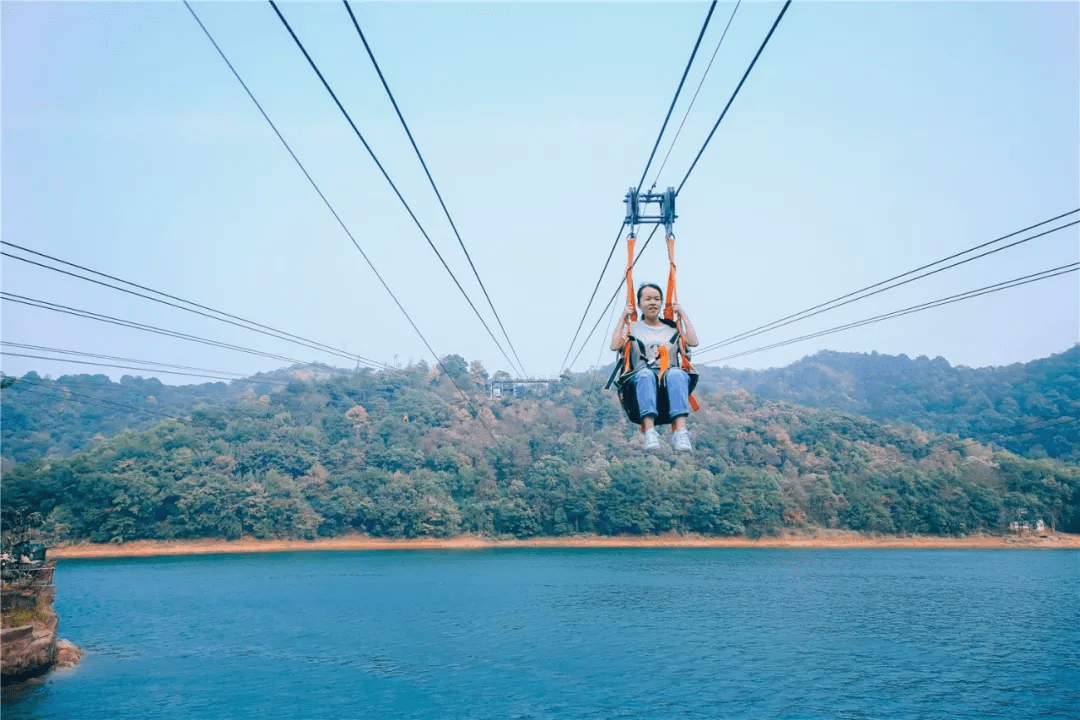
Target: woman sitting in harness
{"x":655,"y":332}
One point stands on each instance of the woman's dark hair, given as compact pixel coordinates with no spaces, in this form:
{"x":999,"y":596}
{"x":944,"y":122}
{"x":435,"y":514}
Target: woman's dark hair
{"x":670,"y":323}
{"x":648,"y":285}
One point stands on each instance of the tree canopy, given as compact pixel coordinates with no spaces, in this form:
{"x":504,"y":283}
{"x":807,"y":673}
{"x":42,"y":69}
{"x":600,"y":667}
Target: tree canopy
{"x":401,"y":454}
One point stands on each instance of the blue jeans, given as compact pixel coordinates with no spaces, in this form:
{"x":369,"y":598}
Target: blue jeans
{"x":678,"y":390}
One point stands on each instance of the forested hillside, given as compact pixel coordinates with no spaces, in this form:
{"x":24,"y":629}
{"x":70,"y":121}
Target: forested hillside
{"x":1032,"y":409}
{"x":401,"y":454}
{"x":44,"y":417}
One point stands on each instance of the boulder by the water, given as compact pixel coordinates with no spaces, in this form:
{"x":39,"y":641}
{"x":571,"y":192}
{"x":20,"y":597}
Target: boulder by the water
{"x":29,"y":650}
{"x":67,"y":654}
{"x":28,"y":642}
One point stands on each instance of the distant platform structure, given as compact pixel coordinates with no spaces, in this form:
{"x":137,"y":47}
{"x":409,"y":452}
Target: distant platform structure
{"x":520,"y":387}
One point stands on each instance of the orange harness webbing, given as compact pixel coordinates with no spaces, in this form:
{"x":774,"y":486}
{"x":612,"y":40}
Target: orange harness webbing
{"x":669,"y":314}
{"x":630,"y":300}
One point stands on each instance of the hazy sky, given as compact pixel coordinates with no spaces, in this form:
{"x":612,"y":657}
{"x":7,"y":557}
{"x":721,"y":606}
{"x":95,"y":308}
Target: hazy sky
{"x":871,"y":138}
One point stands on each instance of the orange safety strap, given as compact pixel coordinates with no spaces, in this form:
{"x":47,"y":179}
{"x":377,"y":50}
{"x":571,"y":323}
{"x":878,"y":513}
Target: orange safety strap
{"x":630,"y":300}
{"x":669,"y":314}
{"x":690,"y":369}
{"x":665,"y":362}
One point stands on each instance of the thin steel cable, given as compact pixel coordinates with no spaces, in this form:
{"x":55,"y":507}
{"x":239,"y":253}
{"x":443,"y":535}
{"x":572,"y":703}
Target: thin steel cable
{"x":694,"y":99}
{"x":1000,"y":440}
{"x":153,"y":366}
{"x":591,"y":298}
{"x":86,"y":314}
{"x":607,"y":334}
{"x":983,"y":438}
{"x":310,"y":179}
{"x":897,"y":277}
{"x":692,"y":165}
{"x":997,"y":287}
{"x":331,"y":208}
{"x":1012,"y":432}
{"x":644,"y":172}
{"x":1004,"y":285}
{"x":242,"y":378}
{"x":41,"y":348}
{"x":733,"y":95}
{"x":431,"y":180}
{"x":1043,"y":424}
{"x":600,"y":355}
{"x":408,"y":209}
{"x":42,"y":304}
{"x":353,"y":356}
{"x":64,"y":392}
{"x":7,"y":353}
{"x":306,"y":343}
{"x":849,"y":299}
{"x":592,"y":375}
{"x":693,"y":54}
{"x":622,"y":282}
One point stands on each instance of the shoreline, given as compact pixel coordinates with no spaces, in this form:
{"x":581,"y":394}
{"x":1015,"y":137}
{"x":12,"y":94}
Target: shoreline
{"x":821,"y":540}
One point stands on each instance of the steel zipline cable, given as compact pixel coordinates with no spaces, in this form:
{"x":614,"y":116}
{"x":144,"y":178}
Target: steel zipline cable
{"x":307,"y":175}
{"x":431,"y":180}
{"x":337,"y":217}
{"x":1001,"y":438}
{"x":810,"y":312}
{"x":145,"y":369}
{"x":644,"y":172}
{"x":734,"y":95}
{"x":862,"y":293}
{"x":63,"y":393}
{"x":42,"y":348}
{"x":254,"y":327}
{"x":1025,"y":427}
{"x":977,"y":292}
{"x":681,"y":184}
{"x":696,"y":92}
{"x":603,"y":313}
{"x":1013,"y":431}
{"x":108,"y":319}
{"x":678,"y":90}
{"x":153,"y":366}
{"x":385,"y":175}
{"x":168,"y":333}
{"x":588,"y":305}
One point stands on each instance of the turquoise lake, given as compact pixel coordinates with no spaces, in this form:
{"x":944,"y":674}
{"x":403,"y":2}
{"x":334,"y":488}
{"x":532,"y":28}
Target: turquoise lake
{"x":565,"y":633}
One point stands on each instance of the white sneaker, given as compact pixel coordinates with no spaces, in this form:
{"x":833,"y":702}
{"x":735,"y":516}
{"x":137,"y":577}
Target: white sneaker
{"x":680,"y":440}
{"x":652,"y":439}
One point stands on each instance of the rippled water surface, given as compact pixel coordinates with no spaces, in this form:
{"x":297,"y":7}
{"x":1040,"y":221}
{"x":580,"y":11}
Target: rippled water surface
{"x":522,"y":633}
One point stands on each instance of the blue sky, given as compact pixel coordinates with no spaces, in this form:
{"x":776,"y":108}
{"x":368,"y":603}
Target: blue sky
{"x":871,"y":137}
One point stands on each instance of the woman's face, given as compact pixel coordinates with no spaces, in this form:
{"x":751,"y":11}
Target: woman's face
{"x":650,"y":303}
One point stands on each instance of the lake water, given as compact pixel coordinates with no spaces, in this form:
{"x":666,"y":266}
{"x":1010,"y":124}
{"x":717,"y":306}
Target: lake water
{"x":604,"y":633}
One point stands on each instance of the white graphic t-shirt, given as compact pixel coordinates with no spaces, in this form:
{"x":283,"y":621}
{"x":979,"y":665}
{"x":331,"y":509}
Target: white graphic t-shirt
{"x":653,"y":338}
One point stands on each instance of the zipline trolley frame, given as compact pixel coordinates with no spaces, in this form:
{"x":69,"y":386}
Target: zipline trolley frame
{"x":637,"y":203}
